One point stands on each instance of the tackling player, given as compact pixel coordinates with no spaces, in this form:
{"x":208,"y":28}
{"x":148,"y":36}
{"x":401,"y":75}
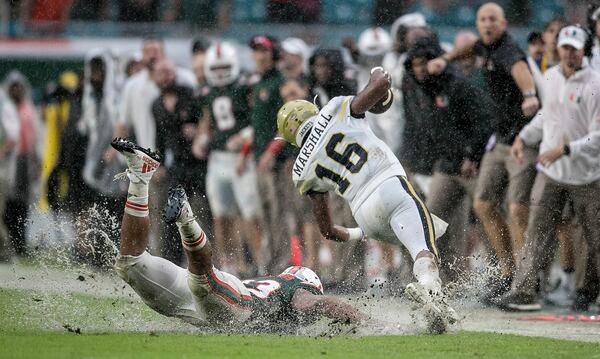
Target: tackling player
{"x":202,"y":294}
{"x":340,"y":153}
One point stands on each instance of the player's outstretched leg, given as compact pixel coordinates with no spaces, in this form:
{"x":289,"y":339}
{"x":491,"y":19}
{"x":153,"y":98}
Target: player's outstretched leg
{"x":222,"y":296}
{"x":141,"y":165}
{"x":161,"y":284}
{"x":193,"y":238}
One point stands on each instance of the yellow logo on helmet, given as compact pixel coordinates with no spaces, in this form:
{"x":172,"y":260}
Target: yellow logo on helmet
{"x":292,"y":115}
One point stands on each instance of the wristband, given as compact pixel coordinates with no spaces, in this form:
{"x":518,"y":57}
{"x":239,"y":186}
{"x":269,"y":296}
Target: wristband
{"x":246,"y":147}
{"x":355,"y":234}
{"x":275,"y":147}
{"x":530,"y":93}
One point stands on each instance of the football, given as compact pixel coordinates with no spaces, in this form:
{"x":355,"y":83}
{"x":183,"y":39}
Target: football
{"x":384,"y":104}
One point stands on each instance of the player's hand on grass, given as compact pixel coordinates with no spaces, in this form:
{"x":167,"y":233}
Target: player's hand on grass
{"x":530,"y":106}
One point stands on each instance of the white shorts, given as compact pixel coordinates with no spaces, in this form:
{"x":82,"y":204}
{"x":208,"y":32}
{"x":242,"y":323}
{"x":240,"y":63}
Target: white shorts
{"x":230,"y":194}
{"x":218,"y":298}
{"x":394,"y":213}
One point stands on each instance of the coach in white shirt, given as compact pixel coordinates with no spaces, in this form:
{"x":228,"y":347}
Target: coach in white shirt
{"x":139,"y":93}
{"x":568,"y":130}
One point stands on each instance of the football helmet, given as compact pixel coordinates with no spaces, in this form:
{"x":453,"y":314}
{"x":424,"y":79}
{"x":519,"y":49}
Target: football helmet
{"x":374,"y":41}
{"x":222,"y":65}
{"x":306,"y":275}
{"x":293,"y":120}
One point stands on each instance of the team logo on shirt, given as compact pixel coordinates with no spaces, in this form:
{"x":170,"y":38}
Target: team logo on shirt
{"x":575,"y":98}
{"x":263,"y":94}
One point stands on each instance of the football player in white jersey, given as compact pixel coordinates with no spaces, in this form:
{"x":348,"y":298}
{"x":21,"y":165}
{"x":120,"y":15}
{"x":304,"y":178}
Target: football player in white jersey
{"x":340,"y":153}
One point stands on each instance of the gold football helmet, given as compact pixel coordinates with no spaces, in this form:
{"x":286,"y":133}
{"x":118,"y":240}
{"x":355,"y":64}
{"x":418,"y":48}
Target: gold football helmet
{"x":291,"y":116}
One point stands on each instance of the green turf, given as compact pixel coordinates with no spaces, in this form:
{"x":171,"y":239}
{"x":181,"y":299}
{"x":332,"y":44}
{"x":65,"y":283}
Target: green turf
{"x":34,"y":325}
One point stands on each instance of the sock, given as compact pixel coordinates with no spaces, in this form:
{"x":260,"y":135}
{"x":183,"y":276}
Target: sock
{"x":192,"y":236}
{"x":427,"y":273}
{"x":137,"y":199}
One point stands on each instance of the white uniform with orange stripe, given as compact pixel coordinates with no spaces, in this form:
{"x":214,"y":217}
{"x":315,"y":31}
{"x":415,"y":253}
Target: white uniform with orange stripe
{"x":217,"y":299}
{"x":342,"y":154}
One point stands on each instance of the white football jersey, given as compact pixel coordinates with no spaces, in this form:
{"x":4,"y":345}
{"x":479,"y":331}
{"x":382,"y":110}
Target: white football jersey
{"x":342,"y":154}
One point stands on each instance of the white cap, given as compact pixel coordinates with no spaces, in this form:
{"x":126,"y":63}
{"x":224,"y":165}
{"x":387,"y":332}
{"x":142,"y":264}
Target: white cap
{"x":415,"y":19}
{"x":573,"y":36}
{"x":295,"y":46}
{"x":596,"y":14}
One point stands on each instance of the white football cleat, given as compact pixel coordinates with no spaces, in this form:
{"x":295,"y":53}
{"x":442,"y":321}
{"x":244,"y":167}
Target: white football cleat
{"x":141,"y":162}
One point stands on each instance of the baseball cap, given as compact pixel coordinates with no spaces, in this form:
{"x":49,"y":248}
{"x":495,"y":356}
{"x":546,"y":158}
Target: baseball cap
{"x":572,"y":35}
{"x":261,"y":41}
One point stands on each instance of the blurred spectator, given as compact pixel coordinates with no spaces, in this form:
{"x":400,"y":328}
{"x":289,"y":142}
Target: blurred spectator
{"x":9,"y":140}
{"x":569,"y":137}
{"x":294,"y":58}
{"x":418,"y":152}
{"x":266,"y":101}
{"x":175,"y":130}
{"x":204,"y":14}
{"x":103,"y":194}
{"x":512,"y":88}
{"x":133,"y":65}
{"x":595,"y":31}
{"x":298,"y":89}
{"x":327,"y":75}
{"x":140,"y":91}
{"x":62,"y":109}
{"x":68,"y":171}
{"x":85,"y":10}
{"x":199,"y":47}
{"x":306,"y":11}
{"x":233,"y":196}
{"x":393,"y":63}
{"x":535,"y":51}
{"x":27,"y":162}
{"x":550,"y":35}
{"x":139,"y":10}
{"x":470,"y":65}
{"x":462,"y":114}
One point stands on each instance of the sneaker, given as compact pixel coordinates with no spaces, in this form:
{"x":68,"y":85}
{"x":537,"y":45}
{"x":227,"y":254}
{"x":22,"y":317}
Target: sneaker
{"x":177,"y":208}
{"x":517,"y":302}
{"x":583,"y":300}
{"x":141,"y":162}
{"x":496,"y":287}
{"x":433,"y":303}
{"x":564,"y":294}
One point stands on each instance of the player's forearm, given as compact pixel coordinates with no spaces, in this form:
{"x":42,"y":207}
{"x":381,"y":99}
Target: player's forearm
{"x":371,"y":95}
{"x":335,"y":233}
{"x":523,"y":77}
{"x":336,"y":309}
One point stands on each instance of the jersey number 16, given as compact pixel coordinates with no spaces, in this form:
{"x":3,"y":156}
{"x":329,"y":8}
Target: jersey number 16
{"x":344,"y":158}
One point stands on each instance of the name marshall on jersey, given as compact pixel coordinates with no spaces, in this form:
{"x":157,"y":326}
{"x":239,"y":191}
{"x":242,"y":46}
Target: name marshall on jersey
{"x":306,"y":151}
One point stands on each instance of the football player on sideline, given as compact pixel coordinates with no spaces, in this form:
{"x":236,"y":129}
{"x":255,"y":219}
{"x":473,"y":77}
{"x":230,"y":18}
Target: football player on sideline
{"x":340,"y":153}
{"x":202,"y":294}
